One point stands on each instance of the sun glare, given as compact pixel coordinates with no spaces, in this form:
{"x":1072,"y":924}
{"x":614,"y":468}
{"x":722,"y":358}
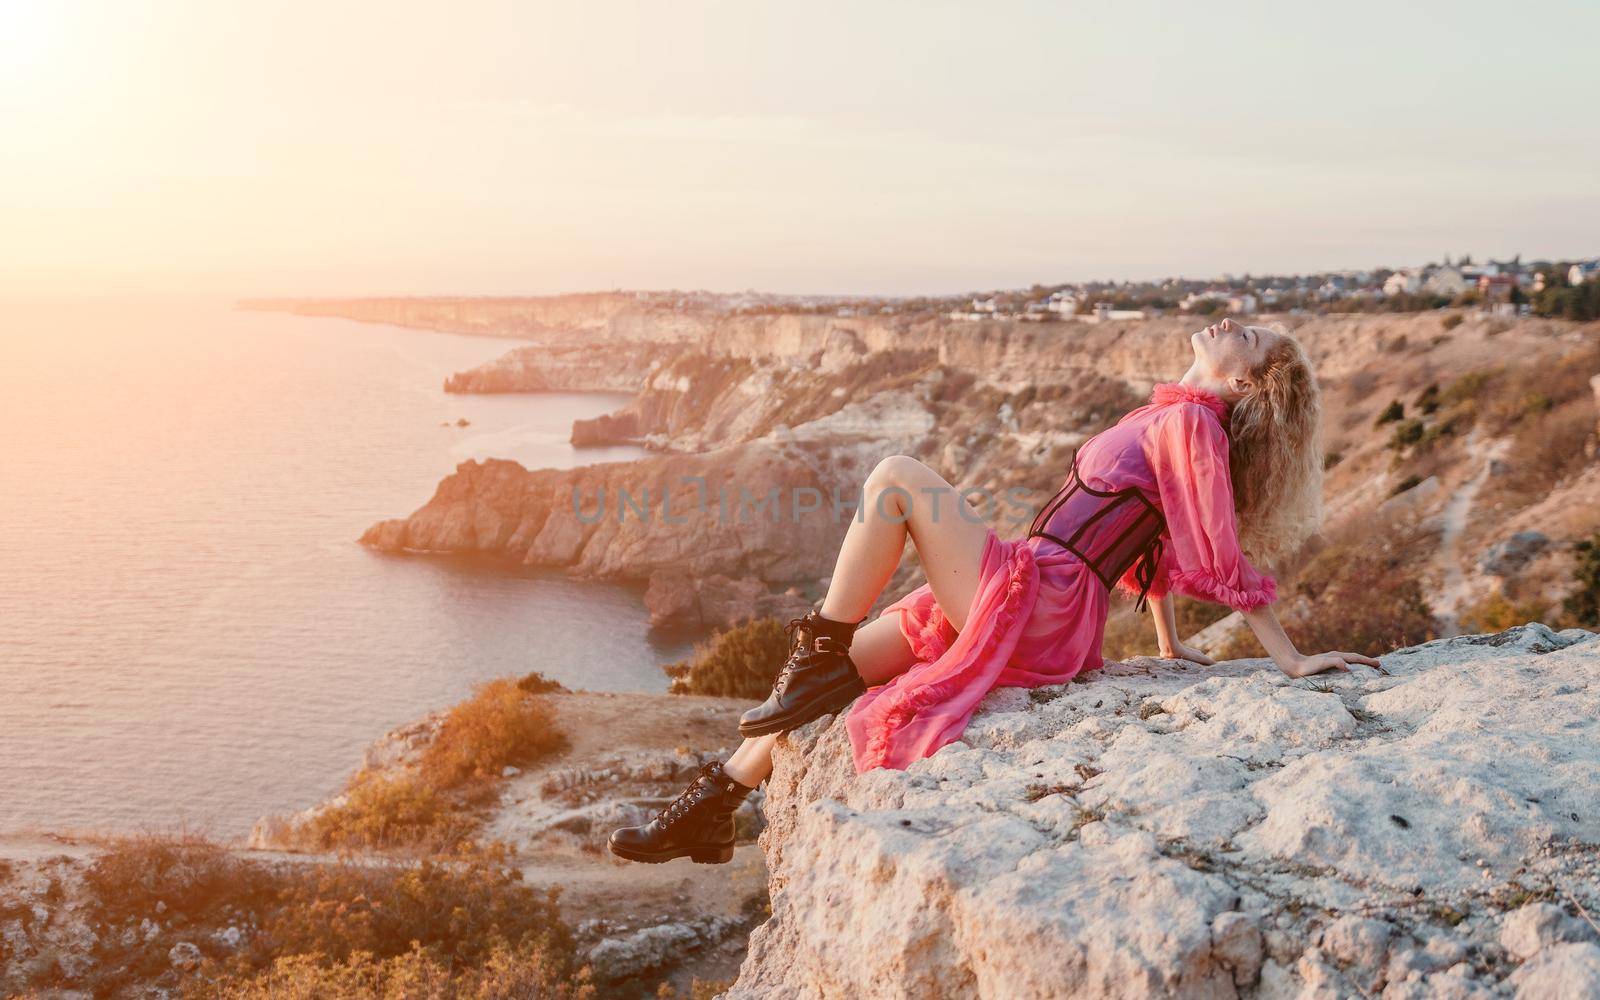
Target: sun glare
{"x":30,"y":39}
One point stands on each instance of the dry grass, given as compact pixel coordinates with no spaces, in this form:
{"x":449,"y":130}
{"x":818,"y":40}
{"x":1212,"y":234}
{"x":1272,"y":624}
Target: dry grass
{"x":1359,"y":591}
{"x":1544,"y":452}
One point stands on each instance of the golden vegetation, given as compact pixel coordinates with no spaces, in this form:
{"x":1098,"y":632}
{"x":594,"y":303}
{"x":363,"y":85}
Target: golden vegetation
{"x":468,"y":929}
{"x":500,"y":726}
{"x":739,"y":662}
{"x":415,"y":975}
{"x":435,"y":806}
{"x":1359,"y":591}
{"x":1498,"y":612}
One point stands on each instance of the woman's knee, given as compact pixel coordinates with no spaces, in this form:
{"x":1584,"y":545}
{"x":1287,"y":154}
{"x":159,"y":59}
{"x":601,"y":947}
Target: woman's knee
{"x":898,"y":471}
{"x":893,"y":483}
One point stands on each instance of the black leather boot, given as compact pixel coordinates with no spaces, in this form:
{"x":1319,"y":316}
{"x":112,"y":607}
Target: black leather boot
{"x":818,"y":678}
{"x":699,"y":823}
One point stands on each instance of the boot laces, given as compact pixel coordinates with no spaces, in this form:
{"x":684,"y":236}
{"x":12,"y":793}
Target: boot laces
{"x":794,"y":647}
{"x":699,"y":789}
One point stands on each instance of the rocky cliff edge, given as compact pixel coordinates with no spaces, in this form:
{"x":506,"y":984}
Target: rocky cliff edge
{"x":1169,"y":830}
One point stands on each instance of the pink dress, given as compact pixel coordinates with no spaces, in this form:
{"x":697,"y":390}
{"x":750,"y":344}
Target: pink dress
{"x":1039,"y":613}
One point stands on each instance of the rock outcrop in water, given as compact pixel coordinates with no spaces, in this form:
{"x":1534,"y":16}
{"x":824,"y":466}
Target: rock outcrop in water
{"x":578,"y":367}
{"x":719,"y":535}
{"x":1171,"y":830}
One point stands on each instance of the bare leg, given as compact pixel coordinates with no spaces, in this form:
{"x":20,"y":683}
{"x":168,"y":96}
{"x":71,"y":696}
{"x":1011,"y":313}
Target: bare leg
{"x":902,"y":498}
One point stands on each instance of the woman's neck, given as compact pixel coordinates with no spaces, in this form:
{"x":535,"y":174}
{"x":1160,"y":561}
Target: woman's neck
{"x":1198,"y":378}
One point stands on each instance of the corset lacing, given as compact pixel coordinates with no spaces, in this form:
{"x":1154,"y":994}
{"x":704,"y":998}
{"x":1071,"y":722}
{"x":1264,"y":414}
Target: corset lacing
{"x":1138,"y":544}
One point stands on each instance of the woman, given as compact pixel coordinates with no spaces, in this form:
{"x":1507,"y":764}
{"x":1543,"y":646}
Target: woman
{"x":1156,"y":505}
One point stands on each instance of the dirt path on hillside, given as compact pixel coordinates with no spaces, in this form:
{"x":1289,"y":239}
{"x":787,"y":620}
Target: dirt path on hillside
{"x":1453,"y":521}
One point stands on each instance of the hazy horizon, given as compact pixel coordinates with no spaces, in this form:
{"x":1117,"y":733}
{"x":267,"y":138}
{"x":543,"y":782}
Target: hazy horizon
{"x":896,"y":149}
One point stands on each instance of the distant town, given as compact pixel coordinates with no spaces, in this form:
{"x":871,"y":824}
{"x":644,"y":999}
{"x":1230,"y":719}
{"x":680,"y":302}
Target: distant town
{"x":1567,"y":289}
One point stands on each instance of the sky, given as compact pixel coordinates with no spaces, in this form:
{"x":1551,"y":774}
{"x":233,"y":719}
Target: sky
{"x":344,"y":148}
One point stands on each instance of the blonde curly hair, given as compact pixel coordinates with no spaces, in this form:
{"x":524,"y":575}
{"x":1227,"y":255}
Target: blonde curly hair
{"x":1275,"y":454}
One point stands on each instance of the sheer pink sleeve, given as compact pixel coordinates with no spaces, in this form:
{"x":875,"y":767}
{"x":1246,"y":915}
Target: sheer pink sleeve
{"x":1189,"y":457}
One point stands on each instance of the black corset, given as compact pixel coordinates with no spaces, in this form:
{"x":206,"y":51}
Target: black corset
{"x":1110,"y":532}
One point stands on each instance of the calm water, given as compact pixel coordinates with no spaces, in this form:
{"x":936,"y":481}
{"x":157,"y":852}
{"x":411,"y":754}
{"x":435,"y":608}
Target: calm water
{"x":189,"y":633}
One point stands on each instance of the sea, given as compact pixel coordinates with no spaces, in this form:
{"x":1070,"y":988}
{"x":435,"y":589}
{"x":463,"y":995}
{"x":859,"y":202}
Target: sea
{"x":190,"y":635}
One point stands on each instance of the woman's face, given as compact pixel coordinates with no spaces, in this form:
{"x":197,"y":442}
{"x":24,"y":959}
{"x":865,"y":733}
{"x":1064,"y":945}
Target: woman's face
{"x":1229,"y":352}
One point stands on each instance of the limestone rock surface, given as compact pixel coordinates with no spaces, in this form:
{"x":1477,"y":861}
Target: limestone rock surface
{"x":1165,"y":829}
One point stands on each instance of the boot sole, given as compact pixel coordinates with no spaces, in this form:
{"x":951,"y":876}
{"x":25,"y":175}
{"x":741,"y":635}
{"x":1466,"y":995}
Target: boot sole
{"x":699,"y":855}
{"x":831,"y":705}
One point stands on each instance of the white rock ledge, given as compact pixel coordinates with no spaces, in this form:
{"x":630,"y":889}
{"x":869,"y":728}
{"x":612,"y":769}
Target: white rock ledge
{"x":1172,"y":830}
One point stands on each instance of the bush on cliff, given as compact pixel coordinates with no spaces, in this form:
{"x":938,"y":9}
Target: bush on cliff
{"x":1582,"y":607}
{"x":1498,"y":612}
{"x":738,"y":663}
{"x":433,"y":806}
{"x":458,"y":912}
{"x":507,"y":972}
{"x":382,"y":812}
{"x":459,"y":930}
{"x":501,"y":725}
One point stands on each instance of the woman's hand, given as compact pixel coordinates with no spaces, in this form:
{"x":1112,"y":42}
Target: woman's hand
{"x":1181,"y":652}
{"x":1316,"y":663}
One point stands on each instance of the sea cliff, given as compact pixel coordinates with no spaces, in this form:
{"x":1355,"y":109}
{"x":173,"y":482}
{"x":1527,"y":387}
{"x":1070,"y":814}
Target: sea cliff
{"x":805,"y":402}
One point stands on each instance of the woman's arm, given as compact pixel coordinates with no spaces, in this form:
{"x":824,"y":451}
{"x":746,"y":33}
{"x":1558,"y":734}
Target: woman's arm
{"x":1264,"y":623}
{"x":1165,"y":614}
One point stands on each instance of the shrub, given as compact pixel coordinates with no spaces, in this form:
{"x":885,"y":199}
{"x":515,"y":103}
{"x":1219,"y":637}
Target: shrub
{"x":499,"y":725}
{"x":465,"y":929}
{"x":179,"y":884}
{"x":1575,"y":302}
{"x":1497,"y":612}
{"x":738,"y":663}
{"x":1582,"y":606}
{"x":426,"y":930}
{"x":1409,"y":482}
{"x":431,"y":808}
{"x":1428,"y":401}
{"x":382,"y":812}
{"x":1452,"y":321}
{"x":508,"y":972}
{"x":456,"y":912}
{"x":1467,"y":387}
{"x":1394,"y":411}
{"x":537,"y":683}
{"x":1406,"y":432}
{"x":139,"y":877}
{"x":1331,"y":459}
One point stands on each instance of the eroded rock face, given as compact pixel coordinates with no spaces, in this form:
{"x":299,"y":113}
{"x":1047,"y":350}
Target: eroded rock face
{"x":1168,"y":830}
